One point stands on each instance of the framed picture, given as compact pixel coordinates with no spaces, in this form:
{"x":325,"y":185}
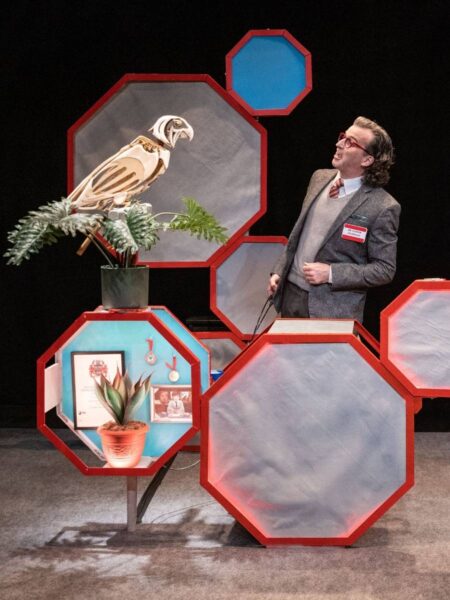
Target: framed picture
{"x":171,"y":403}
{"x":87,"y":367}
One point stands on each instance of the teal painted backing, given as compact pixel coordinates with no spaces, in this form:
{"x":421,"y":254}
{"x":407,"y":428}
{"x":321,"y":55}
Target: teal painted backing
{"x":131,"y":336}
{"x":188,"y":340}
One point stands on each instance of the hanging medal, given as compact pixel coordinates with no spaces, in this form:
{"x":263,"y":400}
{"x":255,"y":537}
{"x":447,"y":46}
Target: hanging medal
{"x":173,"y":373}
{"x":150,"y":357}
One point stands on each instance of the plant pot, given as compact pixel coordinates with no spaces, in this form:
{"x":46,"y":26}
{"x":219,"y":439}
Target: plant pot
{"x":123,"y":447}
{"x":124,"y":288}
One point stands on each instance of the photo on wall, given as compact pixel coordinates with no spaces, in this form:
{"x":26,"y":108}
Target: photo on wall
{"x":171,"y":403}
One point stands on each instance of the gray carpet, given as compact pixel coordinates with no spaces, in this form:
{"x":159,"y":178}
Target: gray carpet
{"x":63,"y":535}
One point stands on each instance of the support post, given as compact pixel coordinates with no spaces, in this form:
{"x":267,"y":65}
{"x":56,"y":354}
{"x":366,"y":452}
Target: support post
{"x":131,"y":503}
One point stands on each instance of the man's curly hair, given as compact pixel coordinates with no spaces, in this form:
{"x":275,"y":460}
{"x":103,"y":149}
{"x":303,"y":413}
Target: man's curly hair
{"x":381,"y":148}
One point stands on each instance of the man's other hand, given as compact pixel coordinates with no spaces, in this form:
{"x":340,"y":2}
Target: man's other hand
{"x":316,"y":273}
{"x":273,"y":284}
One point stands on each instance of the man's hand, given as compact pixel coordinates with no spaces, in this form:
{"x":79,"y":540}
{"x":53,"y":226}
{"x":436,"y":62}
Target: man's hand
{"x":316,"y":273}
{"x":273,"y":284}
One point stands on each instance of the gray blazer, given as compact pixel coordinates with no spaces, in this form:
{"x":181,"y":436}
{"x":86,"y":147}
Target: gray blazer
{"x":355,"y":266}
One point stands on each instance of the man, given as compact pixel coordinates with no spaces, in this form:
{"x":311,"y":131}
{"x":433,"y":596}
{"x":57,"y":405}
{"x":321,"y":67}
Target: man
{"x":345,"y":239}
{"x":175,"y":407}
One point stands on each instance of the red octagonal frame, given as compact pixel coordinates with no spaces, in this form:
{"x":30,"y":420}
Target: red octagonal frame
{"x":138,"y":77}
{"x":270,"y":33}
{"x":230,"y":248}
{"x":237,"y":365}
{"x":387,"y":313}
{"x":118,"y":316}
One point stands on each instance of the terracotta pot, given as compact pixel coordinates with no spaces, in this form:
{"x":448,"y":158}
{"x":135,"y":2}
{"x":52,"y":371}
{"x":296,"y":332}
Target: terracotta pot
{"x":123,"y":448}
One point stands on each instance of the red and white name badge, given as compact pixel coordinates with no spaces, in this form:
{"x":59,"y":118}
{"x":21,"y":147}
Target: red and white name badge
{"x":354,"y":233}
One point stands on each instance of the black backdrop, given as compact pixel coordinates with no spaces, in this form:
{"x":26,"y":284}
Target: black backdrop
{"x":382,"y":59}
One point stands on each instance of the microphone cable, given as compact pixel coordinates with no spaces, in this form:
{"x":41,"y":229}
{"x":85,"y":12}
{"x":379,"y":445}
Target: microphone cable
{"x":262,"y":315}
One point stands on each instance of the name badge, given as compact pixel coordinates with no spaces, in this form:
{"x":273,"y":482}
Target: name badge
{"x":354,"y":233}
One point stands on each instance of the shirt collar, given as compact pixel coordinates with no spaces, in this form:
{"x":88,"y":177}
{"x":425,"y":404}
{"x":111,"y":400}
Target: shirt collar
{"x":350,"y":185}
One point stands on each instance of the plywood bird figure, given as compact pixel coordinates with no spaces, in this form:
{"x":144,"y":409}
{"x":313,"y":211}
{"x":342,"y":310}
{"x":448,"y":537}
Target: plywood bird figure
{"x":132,"y":169}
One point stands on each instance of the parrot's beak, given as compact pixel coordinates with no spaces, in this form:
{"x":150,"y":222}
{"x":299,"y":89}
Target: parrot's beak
{"x":187,"y":132}
{"x":169,"y":128}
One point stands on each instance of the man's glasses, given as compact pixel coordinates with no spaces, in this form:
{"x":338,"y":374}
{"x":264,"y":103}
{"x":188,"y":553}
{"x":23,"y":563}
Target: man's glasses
{"x":349,"y":142}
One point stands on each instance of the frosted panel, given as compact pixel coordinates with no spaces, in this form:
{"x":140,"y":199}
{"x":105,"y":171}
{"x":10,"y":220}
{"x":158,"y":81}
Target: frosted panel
{"x":222,"y":351}
{"x":241,"y":284}
{"x":419,"y":339}
{"x":321,"y":439}
{"x":220,"y":167}
{"x":312,"y":326}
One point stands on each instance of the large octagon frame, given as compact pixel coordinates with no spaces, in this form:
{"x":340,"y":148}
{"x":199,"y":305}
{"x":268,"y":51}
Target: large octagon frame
{"x":132,"y":78}
{"x":238,"y":365}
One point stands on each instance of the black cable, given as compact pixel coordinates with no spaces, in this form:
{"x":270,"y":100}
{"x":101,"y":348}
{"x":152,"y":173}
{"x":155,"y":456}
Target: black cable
{"x":268,"y":303}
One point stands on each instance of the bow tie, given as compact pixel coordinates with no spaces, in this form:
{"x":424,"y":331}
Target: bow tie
{"x":334,"y":189}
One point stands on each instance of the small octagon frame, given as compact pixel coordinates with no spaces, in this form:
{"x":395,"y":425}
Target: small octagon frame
{"x":283,"y":33}
{"x":386,"y":331}
{"x":178,"y":345}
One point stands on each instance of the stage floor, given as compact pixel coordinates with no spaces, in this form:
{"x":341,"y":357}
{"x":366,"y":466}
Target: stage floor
{"x":63,"y":535}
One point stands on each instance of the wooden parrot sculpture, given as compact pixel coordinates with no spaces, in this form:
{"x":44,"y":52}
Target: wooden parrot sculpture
{"x":132,"y":169}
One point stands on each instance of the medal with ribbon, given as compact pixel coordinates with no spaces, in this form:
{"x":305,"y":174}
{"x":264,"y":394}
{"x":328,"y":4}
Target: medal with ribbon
{"x":173,"y":373}
{"x":150,"y":357}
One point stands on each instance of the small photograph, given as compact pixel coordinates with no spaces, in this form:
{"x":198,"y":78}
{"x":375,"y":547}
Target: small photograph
{"x":171,"y":404}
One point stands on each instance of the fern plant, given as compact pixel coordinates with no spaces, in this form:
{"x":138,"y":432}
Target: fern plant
{"x":123,"y":232}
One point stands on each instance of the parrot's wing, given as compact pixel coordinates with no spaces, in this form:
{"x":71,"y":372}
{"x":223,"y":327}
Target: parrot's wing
{"x":125,"y":174}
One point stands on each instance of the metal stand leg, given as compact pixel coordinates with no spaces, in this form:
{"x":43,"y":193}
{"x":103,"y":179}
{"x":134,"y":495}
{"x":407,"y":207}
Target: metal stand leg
{"x":151,"y":489}
{"x":131,"y":503}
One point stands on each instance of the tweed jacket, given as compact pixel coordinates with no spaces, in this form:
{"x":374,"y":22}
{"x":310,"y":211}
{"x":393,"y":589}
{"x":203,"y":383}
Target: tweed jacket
{"x":355,"y":266}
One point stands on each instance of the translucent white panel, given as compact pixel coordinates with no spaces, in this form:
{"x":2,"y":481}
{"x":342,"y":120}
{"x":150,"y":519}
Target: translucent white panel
{"x":52,"y":386}
{"x":241,"y":284}
{"x":321,"y":439}
{"x":419,"y":339}
{"x":220,"y":167}
{"x":312,"y":326}
{"x":222,"y":351}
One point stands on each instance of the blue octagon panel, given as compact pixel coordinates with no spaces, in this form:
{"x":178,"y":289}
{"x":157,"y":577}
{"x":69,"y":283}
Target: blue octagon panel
{"x":269,"y":73}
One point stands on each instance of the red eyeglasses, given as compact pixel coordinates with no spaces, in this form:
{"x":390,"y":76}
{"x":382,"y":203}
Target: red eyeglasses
{"x":349,"y":142}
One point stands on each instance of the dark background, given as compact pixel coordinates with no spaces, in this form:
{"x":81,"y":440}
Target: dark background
{"x":384,"y":60}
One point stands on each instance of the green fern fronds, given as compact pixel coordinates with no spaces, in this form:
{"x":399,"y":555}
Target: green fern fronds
{"x":143,"y":227}
{"x":137,"y":230}
{"x":197,"y":221}
{"x":28,"y":238}
{"x":118,"y":234}
{"x":45,"y":226}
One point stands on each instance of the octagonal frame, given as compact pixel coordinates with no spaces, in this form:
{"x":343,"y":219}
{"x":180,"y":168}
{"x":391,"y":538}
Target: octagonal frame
{"x":401,"y":300}
{"x":148,"y":77}
{"x":179,"y":346}
{"x":228,"y":251}
{"x":219,"y":335}
{"x":269,"y":33}
{"x":296,"y":338}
